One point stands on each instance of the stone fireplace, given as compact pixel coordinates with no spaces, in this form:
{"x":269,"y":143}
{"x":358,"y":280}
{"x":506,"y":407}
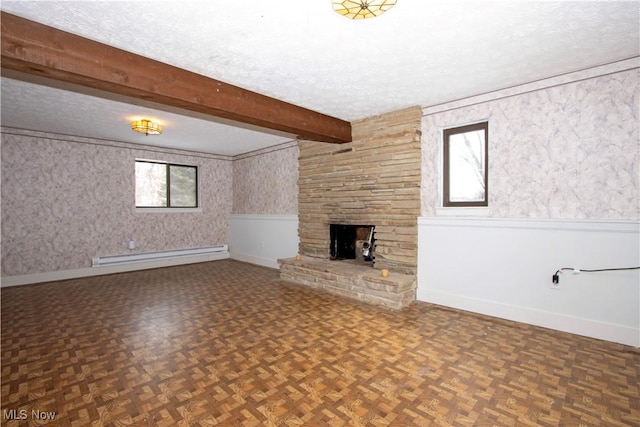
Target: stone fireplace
{"x":373,"y":180}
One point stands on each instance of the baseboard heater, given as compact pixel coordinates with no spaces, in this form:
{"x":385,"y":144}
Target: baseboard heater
{"x":103,"y":261}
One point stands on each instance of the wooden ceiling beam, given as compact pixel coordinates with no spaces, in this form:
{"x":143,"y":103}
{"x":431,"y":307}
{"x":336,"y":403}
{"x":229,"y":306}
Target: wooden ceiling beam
{"x":37,"y":49}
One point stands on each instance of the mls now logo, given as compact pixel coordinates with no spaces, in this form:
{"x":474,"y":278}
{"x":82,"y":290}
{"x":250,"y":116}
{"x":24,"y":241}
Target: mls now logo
{"x":23,"y":414}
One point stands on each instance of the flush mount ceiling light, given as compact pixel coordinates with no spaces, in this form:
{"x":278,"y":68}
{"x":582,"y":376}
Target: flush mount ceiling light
{"x":146,"y":126}
{"x":362,"y":9}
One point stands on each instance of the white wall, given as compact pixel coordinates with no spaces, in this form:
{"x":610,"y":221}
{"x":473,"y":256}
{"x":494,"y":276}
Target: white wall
{"x":504,"y":267}
{"x":564,"y":191}
{"x":264,"y":223}
{"x":263,"y":239}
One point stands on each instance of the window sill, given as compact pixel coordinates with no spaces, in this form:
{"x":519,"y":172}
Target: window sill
{"x":168,"y":210}
{"x":474,"y":211}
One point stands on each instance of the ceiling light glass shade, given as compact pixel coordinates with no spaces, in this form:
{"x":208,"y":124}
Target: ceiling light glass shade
{"x":146,"y":126}
{"x":362,"y":9}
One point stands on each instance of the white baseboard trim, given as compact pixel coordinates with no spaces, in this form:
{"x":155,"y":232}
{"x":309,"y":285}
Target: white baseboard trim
{"x":575,"y":325}
{"x":251,"y":259}
{"x":54,"y":276}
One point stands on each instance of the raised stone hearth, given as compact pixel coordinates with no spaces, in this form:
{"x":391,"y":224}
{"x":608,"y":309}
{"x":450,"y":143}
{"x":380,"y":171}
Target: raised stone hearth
{"x":351,"y":280}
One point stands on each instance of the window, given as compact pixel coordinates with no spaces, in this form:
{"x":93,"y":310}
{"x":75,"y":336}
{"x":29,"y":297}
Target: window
{"x":166,"y":185}
{"x":465,"y":172}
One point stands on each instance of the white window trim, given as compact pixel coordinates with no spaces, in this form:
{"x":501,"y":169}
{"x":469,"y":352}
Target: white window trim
{"x":169,"y":210}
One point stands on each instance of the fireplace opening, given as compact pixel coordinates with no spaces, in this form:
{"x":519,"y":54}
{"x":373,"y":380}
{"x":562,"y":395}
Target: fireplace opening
{"x":355,"y":242}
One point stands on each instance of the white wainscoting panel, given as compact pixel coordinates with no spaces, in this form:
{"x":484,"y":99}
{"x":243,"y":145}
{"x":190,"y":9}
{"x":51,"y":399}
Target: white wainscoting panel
{"x":504,"y":268}
{"x":263,"y":239}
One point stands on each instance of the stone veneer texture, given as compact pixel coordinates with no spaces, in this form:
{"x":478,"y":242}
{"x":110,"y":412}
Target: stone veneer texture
{"x":67,"y":199}
{"x":374,"y":180}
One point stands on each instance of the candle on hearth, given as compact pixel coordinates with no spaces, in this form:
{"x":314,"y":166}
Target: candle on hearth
{"x":384,"y":272}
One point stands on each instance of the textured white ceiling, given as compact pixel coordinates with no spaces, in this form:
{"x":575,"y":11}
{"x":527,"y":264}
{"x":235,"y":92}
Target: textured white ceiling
{"x":300,"y":51}
{"x":42,"y":105}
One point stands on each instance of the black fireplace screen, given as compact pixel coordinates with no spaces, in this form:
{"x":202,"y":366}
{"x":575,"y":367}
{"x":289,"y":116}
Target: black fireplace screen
{"x":352,"y":242}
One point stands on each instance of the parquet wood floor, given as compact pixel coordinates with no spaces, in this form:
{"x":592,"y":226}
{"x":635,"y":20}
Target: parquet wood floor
{"x":226,"y":343}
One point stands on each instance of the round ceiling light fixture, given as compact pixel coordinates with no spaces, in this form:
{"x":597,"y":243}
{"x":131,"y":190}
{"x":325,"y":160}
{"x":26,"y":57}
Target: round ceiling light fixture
{"x":362,"y":9}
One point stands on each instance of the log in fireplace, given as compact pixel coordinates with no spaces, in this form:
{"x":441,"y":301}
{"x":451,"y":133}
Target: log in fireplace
{"x":355,"y":242}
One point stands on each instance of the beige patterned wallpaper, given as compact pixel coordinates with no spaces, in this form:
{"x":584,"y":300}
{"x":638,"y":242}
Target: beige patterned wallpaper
{"x":265,"y":182}
{"x":66,"y":200}
{"x":568,"y":151}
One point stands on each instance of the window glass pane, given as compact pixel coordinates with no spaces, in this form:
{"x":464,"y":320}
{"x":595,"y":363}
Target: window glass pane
{"x":151,"y":184}
{"x":466,"y":167}
{"x":183,"y":186}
